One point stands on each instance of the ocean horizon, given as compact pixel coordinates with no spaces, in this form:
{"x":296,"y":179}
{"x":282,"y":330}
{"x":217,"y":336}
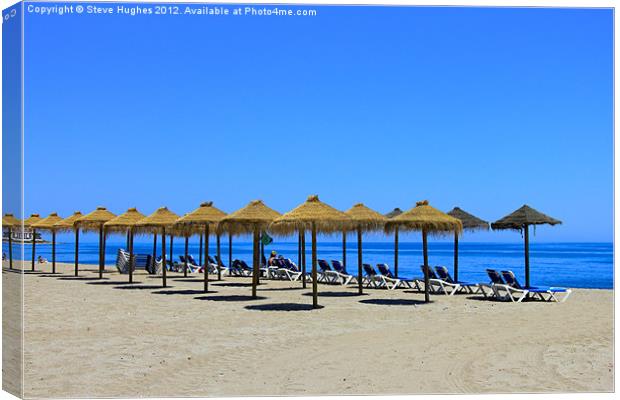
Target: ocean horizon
{"x":570,"y":264}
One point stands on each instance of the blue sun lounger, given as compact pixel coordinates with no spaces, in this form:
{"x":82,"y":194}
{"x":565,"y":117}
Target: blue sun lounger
{"x":437,"y":285}
{"x":536,"y":291}
{"x":401,"y":281}
{"x":468,"y":287}
{"x":342,"y":273}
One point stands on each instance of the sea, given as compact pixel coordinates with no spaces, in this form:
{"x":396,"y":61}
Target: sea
{"x":575,"y":265}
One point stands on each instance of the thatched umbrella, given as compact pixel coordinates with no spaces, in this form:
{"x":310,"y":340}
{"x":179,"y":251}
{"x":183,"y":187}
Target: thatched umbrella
{"x":470,"y":223}
{"x":160,"y":219}
{"x":315,"y":216}
{"x":252,"y":218}
{"x":520,"y":220}
{"x":125,"y":223}
{"x":28,"y":222}
{"x":364,"y":220}
{"x":10,"y":222}
{"x":68,"y":224}
{"x":201,"y":219}
{"x":395,"y":213}
{"x":49,"y":223}
{"x":428,"y":220}
{"x":93,"y":222}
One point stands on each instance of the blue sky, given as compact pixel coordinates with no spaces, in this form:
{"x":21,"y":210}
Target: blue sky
{"x":482,"y":108}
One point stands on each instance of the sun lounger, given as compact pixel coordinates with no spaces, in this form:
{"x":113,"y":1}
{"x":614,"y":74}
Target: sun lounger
{"x":342,"y":273}
{"x":191,"y":267}
{"x":240,"y":268}
{"x":536,"y":291}
{"x":437,"y":285}
{"x":501,"y":290}
{"x":327,"y":275}
{"x":468,"y":287}
{"x":388,"y":278}
{"x":122,"y":261}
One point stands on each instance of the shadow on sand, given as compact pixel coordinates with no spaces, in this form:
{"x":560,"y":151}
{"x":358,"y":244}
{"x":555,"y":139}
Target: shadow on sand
{"x":232,"y":297}
{"x":393,"y":302}
{"x":336,"y":294}
{"x":232,"y":284}
{"x":140,"y":287}
{"x":80,"y":278}
{"x":185,"y":291}
{"x":282,"y":307}
{"x":104,"y":282}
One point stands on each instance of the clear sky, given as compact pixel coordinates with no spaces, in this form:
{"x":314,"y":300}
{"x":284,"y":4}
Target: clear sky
{"x":484,"y":108}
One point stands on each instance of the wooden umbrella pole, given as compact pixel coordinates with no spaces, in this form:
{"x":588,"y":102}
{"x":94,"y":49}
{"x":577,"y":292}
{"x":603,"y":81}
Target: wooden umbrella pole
{"x":359,"y":260}
{"x":53,"y":251}
{"x":77,"y":246}
{"x":255,"y":269}
{"x":456,"y":256}
{"x":127,"y":244}
{"x":200,"y":252}
{"x":315,"y":297}
{"x":299,"y":248}
{"x":100,"y":251}
{"x":527,"y":256}
{"x":154,"y":250}
{"x":219,"y":257}
{"x":171,"y":249}
{"x":344,"y":248}
{"x":105,"y":240}
{"x":163,"y":255}
{"x":34,"y":244}
{"x":205,"y":268}
{"x":229,"y":253}
{"x":262,"y":247}
{"x":303,"y":258}
{"x":396,"y":252}
{"x":426,"y":267}
{"x":131,"y":263}
{"x":186,"y":251}
{"x":10,"y":249}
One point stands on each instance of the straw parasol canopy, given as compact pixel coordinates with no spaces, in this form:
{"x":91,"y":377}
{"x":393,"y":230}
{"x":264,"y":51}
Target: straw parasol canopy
{"x":395,"y":213}
{"x":49,"y":223}
{"x":33,"y":219}
{"x":10,"y":220}
{"x":253,"y":218}
{"x":162,"y":218}
{"x":470,"y":223}
{"x":202,"y":219}
{"x":68,"y":223}
{"x":520,"y":220}
{"x":427,"y":219}
{"x":523,"y":217}
{"x":424,"y":217}
{"x":93,"y":221}
{"x":316,"y":216}
{"x":246,"y":219}
{"x":324,"y":217}
{"x":364,"y":219}
{"x":124,"y":221}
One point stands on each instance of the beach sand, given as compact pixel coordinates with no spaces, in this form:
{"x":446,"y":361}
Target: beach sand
{"x":90,"y":338}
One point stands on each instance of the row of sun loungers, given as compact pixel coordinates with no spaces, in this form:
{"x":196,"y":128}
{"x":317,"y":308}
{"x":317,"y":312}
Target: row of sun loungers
{"x":502,"y":285}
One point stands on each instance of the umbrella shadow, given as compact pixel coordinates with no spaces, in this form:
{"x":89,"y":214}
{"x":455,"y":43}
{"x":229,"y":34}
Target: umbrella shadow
{"x":185,"y":291}
{"x":393,"y":302}
{"x":233,"y":297}
{"x":489,"y":299}
{"x":140,"y":287}
{"x":282,"y":307}
{"x":277,"y":289}
{"x":233,"y":284}
{"x":112,"y":283}
{"x":80,"y":278}
{"x":188,"y":279}
{"x":336,"y":294}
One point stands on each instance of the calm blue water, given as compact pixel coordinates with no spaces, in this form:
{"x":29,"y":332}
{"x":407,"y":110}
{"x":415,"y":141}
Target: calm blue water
{"x":579,"y":265}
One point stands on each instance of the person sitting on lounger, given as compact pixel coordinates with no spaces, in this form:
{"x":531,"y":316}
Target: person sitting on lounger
{"x":41,"y":260}
{"x":273,"y":259}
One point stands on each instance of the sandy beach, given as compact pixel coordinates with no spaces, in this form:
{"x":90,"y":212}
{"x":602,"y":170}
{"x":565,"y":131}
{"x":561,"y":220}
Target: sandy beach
{"x":85,"y":337}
